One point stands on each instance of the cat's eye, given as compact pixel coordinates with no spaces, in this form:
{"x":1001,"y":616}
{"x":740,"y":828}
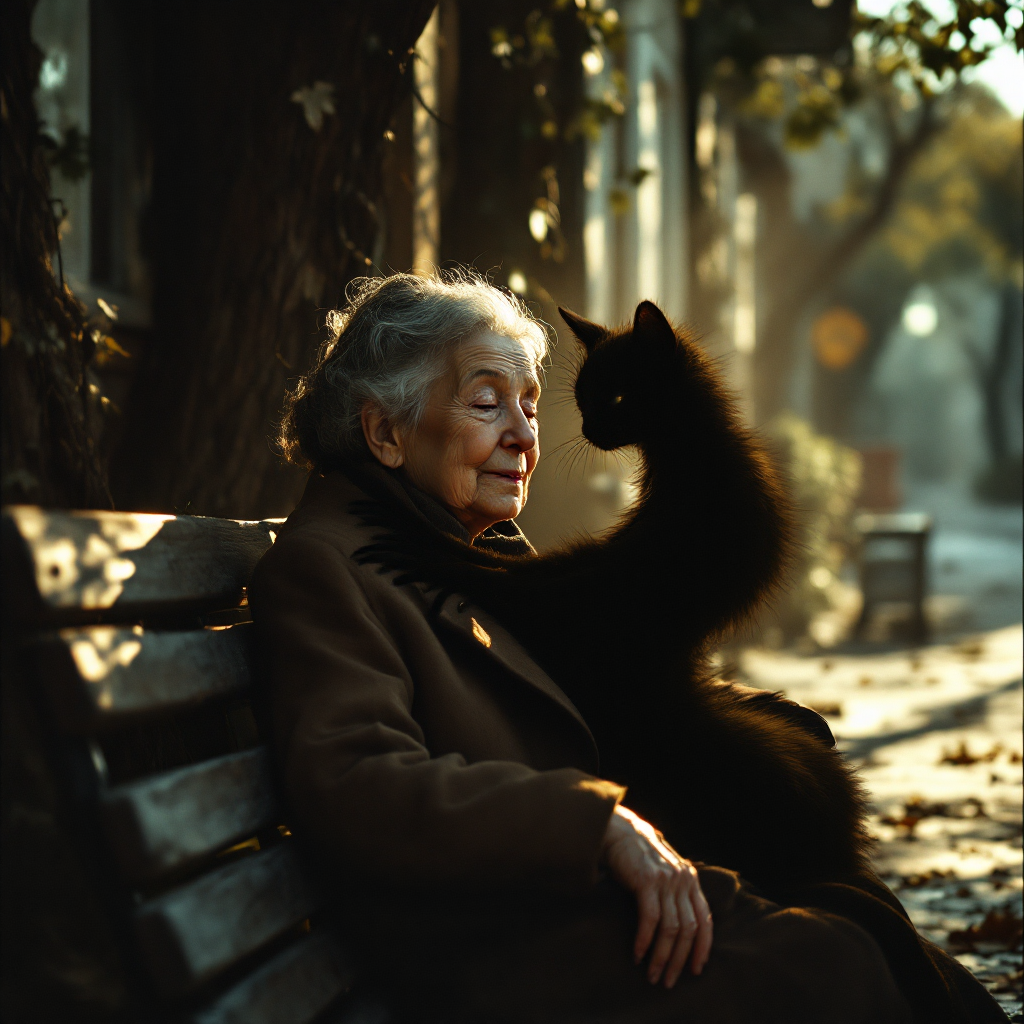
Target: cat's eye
{"x":616,"y":399}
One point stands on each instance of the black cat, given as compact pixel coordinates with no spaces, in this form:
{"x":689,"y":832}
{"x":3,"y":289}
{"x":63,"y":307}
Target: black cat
{"x":624,"y":623}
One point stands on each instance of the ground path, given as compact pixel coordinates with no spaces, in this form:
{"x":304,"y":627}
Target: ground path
{"x":937,"y":733}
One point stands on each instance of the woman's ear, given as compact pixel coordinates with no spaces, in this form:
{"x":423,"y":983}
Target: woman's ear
{"x":381,"y":437}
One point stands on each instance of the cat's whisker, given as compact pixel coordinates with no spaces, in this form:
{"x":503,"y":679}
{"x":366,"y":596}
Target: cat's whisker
{"x":569,"y":454}
{"x":561,"y":400}
{"x":582,"y":457}
{"x":566,"y":443}
{"x":575,"y":453}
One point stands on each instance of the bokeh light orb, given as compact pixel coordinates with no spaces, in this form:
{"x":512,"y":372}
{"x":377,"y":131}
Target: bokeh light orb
{"x":538,"y":225}
{"x":517,"y":282}
{"x":920,"y":319}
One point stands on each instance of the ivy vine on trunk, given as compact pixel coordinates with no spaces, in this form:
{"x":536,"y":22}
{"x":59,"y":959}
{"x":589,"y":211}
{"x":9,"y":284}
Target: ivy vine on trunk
{"x":51,"y":409}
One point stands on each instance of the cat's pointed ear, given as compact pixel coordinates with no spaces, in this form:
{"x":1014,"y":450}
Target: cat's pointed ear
{"x":650,"y":322}
{"x":587,"y":332}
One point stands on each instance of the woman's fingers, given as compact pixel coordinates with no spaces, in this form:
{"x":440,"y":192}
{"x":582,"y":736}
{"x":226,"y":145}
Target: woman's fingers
{"x":705,"y":930}
{"x":649,"y":913}
{"x":687,"y":932}
{"x":672,"y":912}
{"x":668,"y":933}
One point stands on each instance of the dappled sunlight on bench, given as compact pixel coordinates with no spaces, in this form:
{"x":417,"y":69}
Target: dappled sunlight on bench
{"x":78,"y":557}
{"x":98,"y":653}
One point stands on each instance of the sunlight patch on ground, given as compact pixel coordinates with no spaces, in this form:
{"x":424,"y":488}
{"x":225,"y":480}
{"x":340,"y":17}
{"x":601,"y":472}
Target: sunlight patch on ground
{"x":936,"y":731}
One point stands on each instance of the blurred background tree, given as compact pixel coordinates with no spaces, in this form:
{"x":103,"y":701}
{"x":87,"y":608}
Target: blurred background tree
{"x":899,"y":74}
{"x":824,"y":478}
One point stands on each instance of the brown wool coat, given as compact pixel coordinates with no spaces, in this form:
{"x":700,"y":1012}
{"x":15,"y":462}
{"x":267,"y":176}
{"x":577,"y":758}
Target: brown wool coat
{"x":451,"y":794}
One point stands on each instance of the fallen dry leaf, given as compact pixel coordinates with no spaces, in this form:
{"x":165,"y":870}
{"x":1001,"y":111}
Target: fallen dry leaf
{"x":970,"y":649}
{"x":927,"y":878}
{"x":963,"y":756}
{"x":1001,"y":929}
{"x":916,"y":809}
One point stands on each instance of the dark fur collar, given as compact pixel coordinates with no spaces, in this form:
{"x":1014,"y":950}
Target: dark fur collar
{"x":393,"y":487}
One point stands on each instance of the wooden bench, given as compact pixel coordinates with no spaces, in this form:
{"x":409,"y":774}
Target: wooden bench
{"x":127,"y":636}
{"x":893,"y":564}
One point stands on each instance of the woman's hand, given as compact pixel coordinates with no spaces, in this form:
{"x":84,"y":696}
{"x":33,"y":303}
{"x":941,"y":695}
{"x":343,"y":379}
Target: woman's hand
{"x":668,"y":895}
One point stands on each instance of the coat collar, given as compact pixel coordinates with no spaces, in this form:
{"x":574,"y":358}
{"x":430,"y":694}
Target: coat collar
{"x":389,"y":485}
{"x":456,"y":613}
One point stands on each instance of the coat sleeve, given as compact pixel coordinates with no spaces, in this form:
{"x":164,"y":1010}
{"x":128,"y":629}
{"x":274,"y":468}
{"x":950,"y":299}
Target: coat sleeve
{"x":358,"y":776}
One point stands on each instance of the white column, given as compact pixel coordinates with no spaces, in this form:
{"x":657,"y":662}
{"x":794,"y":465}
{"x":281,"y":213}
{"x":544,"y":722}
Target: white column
{"x":648,"y":194}
{"x":599,"y":255}
{"x":654,"y":256}
{"x":426,"y":213}
{"x":744,"y":303}
{"x":599,"y":228}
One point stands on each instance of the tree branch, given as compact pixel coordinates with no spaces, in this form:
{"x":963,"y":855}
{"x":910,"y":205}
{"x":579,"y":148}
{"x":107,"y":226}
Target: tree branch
{"x":828,"y":266}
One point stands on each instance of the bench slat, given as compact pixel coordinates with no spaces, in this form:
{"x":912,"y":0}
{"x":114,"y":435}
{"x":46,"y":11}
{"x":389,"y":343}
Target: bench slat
{"x":163,"y":822}
{"x":101,"y":676}
{"x":292,"y":988}
{"x":119,"y":566}
{"x":198,"y":930}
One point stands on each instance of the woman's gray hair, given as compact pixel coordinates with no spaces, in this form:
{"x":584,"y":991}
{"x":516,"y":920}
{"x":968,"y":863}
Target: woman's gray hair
{"x":388,"y":346}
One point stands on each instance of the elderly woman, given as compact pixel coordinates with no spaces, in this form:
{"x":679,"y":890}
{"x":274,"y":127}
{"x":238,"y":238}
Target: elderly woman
{"x":445,"y":785}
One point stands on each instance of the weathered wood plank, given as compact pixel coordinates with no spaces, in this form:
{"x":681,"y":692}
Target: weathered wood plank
{"x":102,"y":676}
{"x":292,"y":988}
{"x":193,"y":932}
{"x":66,"y":567}
{"x":160,"y":824}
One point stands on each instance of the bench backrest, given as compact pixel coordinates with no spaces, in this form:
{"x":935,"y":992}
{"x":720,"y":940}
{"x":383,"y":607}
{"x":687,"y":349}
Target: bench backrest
{"x":132,"y":634}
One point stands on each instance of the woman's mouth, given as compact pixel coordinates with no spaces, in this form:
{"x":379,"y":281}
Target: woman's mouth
{"x":509,"y":474}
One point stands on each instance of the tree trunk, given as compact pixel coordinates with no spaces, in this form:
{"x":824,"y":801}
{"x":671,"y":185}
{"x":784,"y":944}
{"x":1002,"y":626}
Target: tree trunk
{"x":991,"y":375}
{"x":51,"y":418}
{"x":876,"y":291}
{"x":260,"y":220}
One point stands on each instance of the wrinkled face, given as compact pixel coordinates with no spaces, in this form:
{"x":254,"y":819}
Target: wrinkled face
{"x":476,"y":444}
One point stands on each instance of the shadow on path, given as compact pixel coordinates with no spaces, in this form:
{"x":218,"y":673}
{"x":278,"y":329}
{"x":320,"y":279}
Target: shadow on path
{"x":945,"y":716}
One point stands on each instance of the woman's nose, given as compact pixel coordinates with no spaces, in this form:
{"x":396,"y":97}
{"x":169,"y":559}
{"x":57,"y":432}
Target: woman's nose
{"x":521,"y":435}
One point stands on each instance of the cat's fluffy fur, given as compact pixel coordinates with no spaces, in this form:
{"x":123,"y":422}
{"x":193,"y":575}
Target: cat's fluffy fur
{"x":623,"y":623}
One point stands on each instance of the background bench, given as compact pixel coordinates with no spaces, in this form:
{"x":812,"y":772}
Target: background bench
{"x":144,"y":842}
